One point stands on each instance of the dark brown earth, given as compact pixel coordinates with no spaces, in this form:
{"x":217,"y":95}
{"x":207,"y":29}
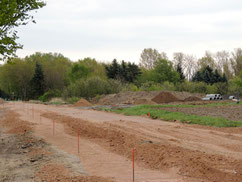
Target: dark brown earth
{"x":165,"y":97}
{"x":233,"y":113}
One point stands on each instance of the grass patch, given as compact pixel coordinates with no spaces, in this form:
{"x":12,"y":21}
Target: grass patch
{"x":193,"y":105}
{"x":56,"y":103}
{"x":172,"y":116}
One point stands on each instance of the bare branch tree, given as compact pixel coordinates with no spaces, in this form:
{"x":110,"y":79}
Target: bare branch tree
{"x":150,"y":56}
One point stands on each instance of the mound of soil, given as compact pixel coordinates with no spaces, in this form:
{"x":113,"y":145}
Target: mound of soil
{"x":82,"y":103}
{"x":141,"y":97}
{"x":192,"y":98}
{"x":165,"y":97}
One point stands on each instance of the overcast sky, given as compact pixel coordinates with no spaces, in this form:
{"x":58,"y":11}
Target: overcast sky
{"x":108,"y":29}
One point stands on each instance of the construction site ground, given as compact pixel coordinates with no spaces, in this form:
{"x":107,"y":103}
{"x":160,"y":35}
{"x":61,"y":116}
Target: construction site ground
{"x":40,"y":143}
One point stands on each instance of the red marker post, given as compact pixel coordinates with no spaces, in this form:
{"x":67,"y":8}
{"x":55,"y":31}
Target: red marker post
{"x":133,"y":164}
{"x":78,"y":142}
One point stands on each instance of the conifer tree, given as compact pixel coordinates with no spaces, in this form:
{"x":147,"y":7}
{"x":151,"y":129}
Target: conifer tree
{"x":37,"y":82}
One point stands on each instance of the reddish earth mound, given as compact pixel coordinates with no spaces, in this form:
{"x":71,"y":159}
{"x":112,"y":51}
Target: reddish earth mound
{"x":165,"y":97}
{"x":82,"y":103}
{"x":192,"y":98}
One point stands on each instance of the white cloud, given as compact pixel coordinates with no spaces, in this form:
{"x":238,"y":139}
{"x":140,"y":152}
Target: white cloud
{"x":107,"y":29}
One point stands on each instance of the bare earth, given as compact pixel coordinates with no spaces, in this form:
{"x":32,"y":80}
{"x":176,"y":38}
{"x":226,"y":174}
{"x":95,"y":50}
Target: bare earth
{"x":163,"y":151}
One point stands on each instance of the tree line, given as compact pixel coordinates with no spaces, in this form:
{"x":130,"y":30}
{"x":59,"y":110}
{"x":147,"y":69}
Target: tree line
{"x":40,"y":76}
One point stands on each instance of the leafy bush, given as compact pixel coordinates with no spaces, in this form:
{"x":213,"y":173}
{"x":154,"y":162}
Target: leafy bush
{"x":92,"y":87}
{"x":49,"y":94}
{"x":73,"y":100}
{"x":130,"y":87}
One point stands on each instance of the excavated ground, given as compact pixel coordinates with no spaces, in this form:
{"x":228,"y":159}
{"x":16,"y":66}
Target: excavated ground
{"x":24,"y":157}
{"x":163,"y":151}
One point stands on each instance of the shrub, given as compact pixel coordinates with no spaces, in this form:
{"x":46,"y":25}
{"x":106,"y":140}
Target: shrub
{"x":49,"y":94}
{"x":73,"y":100}
{"x":92,"y":87}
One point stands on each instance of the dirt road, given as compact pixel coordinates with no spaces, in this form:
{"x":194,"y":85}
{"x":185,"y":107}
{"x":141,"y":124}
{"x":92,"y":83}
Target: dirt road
{"x":164,"y":151}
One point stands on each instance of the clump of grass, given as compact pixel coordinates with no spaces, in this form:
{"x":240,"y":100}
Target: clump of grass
{"x":174,"y":116}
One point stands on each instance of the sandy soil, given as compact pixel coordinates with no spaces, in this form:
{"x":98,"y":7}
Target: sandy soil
{"x":163,"y":151}
{"x":229,"y":112}
{"x":25,"y":158}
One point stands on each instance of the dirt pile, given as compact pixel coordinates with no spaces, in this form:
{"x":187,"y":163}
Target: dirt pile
{"x":82,"y":103}
{"x":165,"y":97}
{"x":143,"y":97}
{"x":192,"y":98}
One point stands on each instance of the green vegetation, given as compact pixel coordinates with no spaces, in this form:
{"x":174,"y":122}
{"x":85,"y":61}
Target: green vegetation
{"x":174,"y":116}
{"x":49,"y":94}
{"x":13,"y":14}
{"x":73,"y":100}
{"x":38,"y":75}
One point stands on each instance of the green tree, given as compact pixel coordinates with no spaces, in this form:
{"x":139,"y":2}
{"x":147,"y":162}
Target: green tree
{"x":113,"y":70}
{"x":15,"y":77}
{"x":96,"y":69}
{"x":132,"y":72}
{"x":197,"y":77}
{"x":55,"y":68}
{"x":37,"y":82}
{"x":217,"y":77}
{"x":78,"y":71}
{"x":207,"y":60}
{"x":180,"y":71}
{"x":125,"y":72}
{"x":164,"y":71}
{"x":13,"y":14}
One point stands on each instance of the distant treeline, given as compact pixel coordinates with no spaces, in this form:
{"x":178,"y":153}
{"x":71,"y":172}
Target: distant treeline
{"x":42,"y":76}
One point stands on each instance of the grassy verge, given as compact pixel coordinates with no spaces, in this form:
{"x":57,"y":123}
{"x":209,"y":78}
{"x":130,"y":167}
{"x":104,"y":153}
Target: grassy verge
{"x":174,"y":116}
{"x":193,"y":105}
